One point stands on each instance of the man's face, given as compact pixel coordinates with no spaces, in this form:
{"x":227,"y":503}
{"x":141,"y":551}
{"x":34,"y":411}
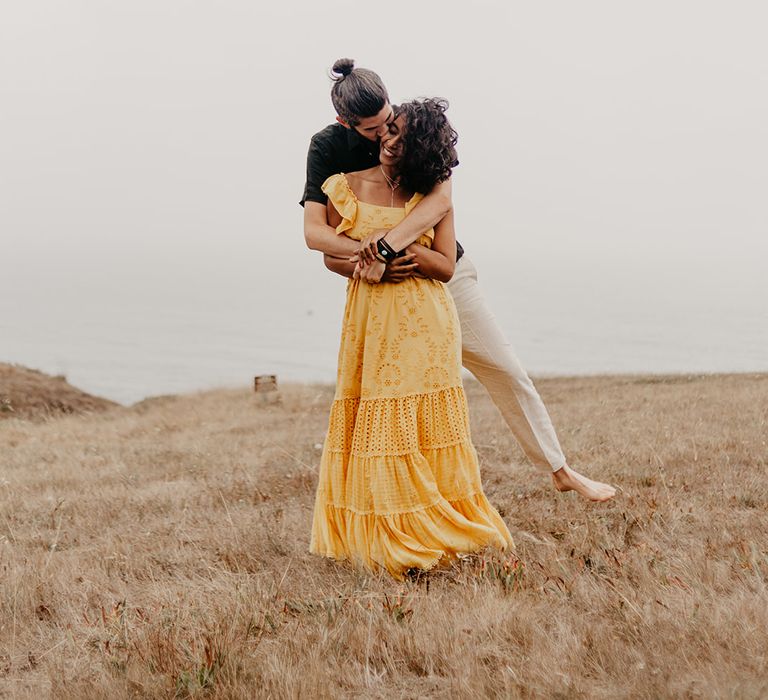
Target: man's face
{"x":373,"y":128}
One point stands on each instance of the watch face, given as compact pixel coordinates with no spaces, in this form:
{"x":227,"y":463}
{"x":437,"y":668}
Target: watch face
{"x":384,"y":251}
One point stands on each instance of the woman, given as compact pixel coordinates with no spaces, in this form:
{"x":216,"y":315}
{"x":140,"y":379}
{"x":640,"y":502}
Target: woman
{"x":399,"y":485}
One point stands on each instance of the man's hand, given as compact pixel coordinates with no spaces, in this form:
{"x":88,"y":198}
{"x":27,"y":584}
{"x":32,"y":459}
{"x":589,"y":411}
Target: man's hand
{"x":400,"y":269}
{"x":368,"y":250}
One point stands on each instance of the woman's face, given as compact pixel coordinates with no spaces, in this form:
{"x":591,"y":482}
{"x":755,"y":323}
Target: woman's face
{"x":391,"y":146}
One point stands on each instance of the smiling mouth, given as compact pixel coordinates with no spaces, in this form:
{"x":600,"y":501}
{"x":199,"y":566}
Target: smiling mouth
{"x":388,"y":153}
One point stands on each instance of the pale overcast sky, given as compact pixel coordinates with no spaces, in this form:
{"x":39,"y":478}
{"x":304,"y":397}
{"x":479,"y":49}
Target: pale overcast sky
{"x":591,"y":126}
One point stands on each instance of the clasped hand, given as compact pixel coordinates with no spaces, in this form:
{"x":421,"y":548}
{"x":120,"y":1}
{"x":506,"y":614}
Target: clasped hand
{"x":370,"y":269}
{"x":371,"y":272}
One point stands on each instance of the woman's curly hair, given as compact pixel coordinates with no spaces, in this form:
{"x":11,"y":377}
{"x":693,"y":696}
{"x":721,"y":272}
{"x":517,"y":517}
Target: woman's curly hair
{"x":429,"y":142}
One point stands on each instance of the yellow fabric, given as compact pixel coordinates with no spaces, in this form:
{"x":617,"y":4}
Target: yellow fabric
{"x":399,"y":484}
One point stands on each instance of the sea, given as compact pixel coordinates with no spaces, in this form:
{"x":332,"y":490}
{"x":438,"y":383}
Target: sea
{"x":127,"y":334}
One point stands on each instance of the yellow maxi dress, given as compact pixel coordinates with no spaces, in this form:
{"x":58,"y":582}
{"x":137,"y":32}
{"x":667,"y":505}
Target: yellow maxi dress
{"x":399,"y":483}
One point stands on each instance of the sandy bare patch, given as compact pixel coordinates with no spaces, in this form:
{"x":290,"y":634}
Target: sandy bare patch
{"x":28,"y":394}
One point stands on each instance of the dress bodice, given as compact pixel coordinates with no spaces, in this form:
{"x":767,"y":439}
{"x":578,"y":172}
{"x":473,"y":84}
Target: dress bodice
{"x":359,"y":219}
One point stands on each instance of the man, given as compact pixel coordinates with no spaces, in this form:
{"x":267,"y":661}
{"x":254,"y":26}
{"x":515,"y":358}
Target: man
{"x":351,"y":144}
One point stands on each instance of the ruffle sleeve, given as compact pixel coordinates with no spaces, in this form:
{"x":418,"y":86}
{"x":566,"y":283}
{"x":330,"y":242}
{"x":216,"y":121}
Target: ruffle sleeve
{"x":343,"y":199}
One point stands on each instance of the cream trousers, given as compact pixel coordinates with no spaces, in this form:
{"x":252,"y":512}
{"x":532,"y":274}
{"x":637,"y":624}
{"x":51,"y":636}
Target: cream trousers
{"x":488,"y":355}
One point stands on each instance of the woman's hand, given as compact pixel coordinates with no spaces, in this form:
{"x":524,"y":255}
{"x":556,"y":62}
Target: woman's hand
{"x":370,"y":273}
{"x":368,"y":249}
{"x":373,"y":272}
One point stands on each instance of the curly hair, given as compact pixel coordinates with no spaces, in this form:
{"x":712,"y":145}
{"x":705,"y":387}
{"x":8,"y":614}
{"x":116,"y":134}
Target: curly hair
{"x":429,"y":141}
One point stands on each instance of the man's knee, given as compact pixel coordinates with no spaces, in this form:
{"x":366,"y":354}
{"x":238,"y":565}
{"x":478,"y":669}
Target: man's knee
{"x":497,"y":366}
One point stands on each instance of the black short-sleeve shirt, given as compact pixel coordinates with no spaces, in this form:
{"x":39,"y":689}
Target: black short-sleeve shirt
{"x":337,"y":149}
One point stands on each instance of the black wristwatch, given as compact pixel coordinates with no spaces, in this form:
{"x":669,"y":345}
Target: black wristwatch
{"x":386,"y":251}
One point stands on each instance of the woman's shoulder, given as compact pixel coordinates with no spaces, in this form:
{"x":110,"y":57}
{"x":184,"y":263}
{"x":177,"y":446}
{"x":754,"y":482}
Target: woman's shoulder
{"x":359,"y":178}
{"x":338,"y":185}
{"x":353,"y":183}
{"x":343,"y":199}
{"x":367,"y":174}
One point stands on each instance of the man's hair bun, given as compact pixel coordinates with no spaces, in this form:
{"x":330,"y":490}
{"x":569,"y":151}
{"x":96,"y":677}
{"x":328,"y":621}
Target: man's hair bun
{"x":343,"y":67}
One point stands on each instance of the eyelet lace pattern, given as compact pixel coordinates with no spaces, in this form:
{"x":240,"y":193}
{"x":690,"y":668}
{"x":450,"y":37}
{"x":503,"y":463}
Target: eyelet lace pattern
{"x":399,"y":483}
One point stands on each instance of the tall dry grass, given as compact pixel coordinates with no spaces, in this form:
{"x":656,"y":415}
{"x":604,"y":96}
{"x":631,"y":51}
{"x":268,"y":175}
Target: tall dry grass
{"x":161,"y":551}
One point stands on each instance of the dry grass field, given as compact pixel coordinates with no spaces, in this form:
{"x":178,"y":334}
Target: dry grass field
{"x":160,"y":551}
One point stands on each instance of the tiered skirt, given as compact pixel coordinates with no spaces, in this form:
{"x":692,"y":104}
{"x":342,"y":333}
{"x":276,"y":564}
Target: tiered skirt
{"x":399,"y":485}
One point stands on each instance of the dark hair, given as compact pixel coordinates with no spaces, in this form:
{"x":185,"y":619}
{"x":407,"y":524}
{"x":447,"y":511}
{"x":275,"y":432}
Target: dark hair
{"x":357,"y":93}
{"x":429,"y":145}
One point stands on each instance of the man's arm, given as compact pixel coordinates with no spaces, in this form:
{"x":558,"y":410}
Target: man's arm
{"x":319,"y":232}
{"x":319,"y":235}
{"x":341,"y":266}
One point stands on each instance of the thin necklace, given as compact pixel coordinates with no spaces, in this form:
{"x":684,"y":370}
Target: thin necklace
{"x":393,"y":185}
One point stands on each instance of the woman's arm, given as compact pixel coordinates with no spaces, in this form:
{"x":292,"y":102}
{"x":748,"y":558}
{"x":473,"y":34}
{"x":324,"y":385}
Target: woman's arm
{"x":427,"y":214}
{"x":398,"y":270}
{"x":439,"y":262}
{"x":429,"y":263}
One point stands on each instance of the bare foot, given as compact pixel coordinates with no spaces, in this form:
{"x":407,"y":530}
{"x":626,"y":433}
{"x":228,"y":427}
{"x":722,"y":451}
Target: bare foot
{"x":566,"y":479}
